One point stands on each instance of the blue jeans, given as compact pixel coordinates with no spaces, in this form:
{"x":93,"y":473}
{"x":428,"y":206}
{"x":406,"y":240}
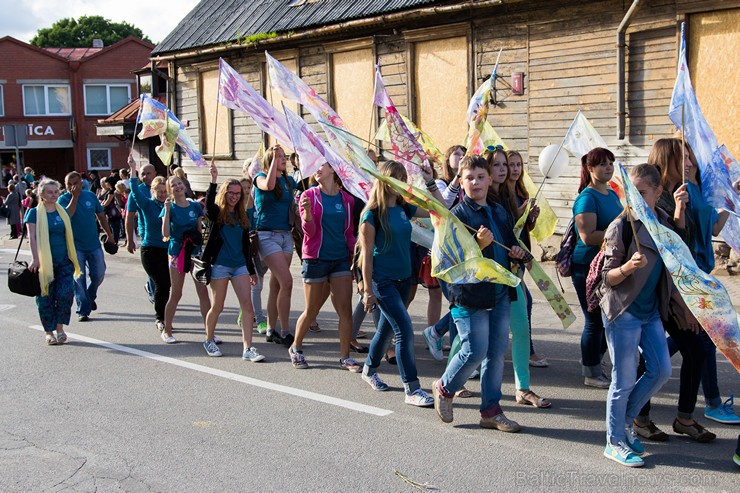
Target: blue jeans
{"x":394,"y":319}
{"x":92,"y":263}
{"x":592,"y":339}
{"x":484,"y":337}
{"x":626,"y":396}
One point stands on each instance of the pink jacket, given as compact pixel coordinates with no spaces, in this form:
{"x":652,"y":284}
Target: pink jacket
{"x":312,"y":231}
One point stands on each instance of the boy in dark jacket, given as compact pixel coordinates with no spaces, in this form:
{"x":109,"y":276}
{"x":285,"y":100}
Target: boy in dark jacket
{"x":481,"y":310}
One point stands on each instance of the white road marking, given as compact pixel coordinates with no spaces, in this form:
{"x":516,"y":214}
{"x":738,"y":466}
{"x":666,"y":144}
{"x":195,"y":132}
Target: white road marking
{"x":355,"y":406}
{"x":4,"y":308}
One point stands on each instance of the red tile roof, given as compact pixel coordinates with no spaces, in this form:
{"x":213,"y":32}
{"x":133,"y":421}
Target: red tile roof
{"x":128,"y":113}
{"x":74,"y":54}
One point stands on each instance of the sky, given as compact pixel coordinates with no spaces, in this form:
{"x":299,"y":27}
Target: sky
{"x":23,"y":18}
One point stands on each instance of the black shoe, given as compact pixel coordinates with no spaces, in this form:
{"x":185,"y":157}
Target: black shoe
{"x":93,"y":306}
{"x":288,"y":340}
{"x":83,"y":318}
{"x":273,"y":336}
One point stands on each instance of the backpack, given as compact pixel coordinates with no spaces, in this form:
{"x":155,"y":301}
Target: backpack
{"x":564,"y":257}
{"x":595,"y":277}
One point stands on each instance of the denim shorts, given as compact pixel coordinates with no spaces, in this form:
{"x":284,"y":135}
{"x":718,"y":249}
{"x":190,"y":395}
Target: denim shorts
{"x":223,"y":272}
{"x":275,"y":242}
{"x":315,"y":270}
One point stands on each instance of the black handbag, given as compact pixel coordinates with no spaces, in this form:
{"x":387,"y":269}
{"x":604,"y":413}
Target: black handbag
{"x":201,"y":270}
{"x":20,"y":279}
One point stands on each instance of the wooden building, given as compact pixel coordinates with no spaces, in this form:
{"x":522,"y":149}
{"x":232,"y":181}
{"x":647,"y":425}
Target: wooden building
{"x":434,"y":54}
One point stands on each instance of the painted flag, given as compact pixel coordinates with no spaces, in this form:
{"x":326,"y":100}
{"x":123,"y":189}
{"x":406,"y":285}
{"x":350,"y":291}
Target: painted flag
{"x":158,"y":121}
{"x":716,"y":165}
{"x":456,"y":257}
{"x":582,"y":137}
{"x":292,"y":87}
{"x":477,"y":115}
{"x":306,"y":141}
{"x":547,"y":220}
{"x":431,"y":150}
{"x":406,"y":149}
{"x":705,"y":296}
{"x":542,"y":280}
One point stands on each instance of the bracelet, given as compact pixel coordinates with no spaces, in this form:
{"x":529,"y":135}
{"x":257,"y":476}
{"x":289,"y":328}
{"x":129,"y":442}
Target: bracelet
{"x":622,"y":272}
{"x":432,"y":186}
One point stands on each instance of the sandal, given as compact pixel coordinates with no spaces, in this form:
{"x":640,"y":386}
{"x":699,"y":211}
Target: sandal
{"x":463,"y":393}
{"x":529,"y":398}
{"x":61,"y":337}
{"x":314,"y":327}
{"x":539,"y":362}
{"x":50,"y":339}
{"x":358,"y":348}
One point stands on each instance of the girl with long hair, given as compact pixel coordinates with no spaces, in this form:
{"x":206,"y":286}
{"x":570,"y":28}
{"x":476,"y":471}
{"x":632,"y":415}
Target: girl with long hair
{"x":274,"y":217}
{"x":594,"y":209}
{"x":228,"y":254}
{"x":181,"y":225}
{"x":500,"y":192}
{"x":637,"y":292}
{"x":519,"y":192}
{"x":385,"y":235}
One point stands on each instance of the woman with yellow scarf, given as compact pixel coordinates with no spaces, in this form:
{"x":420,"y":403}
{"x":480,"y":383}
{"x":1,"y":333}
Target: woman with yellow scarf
{"x":55,"y":258}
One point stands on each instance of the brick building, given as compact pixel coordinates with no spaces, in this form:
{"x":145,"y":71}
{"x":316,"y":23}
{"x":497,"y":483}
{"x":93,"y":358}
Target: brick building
{"x":59,"y":94}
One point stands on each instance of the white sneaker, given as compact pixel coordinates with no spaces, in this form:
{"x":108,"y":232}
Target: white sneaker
{"x":419,"y":398}
{"x":433,"y":342}
{"x":167,"y":339}
{"x":252,"y":355}
{"x":599,"y":382}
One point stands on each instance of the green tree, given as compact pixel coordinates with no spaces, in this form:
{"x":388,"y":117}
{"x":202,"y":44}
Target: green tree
{"x":70,"y":33}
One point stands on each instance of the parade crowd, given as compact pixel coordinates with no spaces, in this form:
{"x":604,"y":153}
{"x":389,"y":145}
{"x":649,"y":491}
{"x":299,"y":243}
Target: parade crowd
{"x":245,"y":228}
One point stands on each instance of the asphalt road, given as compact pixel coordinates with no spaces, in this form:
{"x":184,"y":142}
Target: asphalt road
{"x":115,"y":409}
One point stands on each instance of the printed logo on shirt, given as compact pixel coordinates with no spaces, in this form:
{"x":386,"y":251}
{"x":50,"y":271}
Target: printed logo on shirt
{"x":88,"y":204}
{"x":338,"y":207}
{"x":192,"y":213}
{"x":57,"y":219}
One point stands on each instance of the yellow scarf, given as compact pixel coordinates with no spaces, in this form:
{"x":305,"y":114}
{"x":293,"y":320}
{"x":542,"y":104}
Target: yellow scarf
{"x":46,"y":265}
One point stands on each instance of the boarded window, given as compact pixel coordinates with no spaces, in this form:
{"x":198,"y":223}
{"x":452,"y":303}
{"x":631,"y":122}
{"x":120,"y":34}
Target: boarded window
{"x":715,"y":71}
{"x":352,"y":84}
{"x":222,"y":128}
{"x":441,"y":88}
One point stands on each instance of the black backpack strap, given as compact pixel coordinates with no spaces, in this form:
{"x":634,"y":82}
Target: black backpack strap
{"x":23,"y":235}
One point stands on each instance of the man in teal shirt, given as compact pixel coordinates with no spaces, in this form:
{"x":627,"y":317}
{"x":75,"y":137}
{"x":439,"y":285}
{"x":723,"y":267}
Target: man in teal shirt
{"x":84,"y":210}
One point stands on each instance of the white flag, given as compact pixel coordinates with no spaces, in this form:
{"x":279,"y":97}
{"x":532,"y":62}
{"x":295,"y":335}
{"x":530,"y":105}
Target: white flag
{"x":582,"y":136}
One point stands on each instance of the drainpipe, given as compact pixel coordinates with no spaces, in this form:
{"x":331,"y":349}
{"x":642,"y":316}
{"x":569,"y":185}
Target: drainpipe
{"x":621,"y":45}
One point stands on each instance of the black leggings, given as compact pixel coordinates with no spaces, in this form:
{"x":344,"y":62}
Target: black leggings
{"x":156,"y":265}
{"x":692,"y":351}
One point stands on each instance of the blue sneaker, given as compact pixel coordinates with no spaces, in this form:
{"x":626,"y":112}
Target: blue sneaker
{"x":622,"y":454}
{"x":724,"y":413}
{"x":633,"y":442}
{"x":376,"y":383}
{"x":434,"y":343}
{"x":211,"y":348}
{"x":252,"y":355}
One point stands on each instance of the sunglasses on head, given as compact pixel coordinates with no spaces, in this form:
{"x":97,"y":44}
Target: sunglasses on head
{"x":495,"y":148}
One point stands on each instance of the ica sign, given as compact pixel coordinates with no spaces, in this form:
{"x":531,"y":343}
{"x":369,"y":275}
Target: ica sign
{"x":40,"y":130}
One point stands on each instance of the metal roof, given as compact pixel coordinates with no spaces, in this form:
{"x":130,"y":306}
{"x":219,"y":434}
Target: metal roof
{"x":213,"y":22}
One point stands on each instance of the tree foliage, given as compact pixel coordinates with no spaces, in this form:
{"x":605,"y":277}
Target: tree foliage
{"x":71,"y":33}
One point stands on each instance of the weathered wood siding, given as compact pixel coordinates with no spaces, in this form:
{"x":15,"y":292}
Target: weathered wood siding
{"x":567,"y":51}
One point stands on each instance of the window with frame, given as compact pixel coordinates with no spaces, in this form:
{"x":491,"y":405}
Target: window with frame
{"x":98,"y":159}
{"x":2,"y":100}
{"x":43,"y":100}
{"x":105,"y":99}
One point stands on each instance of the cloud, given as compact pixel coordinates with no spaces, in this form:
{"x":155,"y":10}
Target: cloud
{"x":24,"y":18}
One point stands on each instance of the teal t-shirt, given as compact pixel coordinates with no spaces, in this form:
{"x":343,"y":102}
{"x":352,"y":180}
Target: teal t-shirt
{"x":57,"y":238}
{"x":132,"y":206}
{"x":231,"y":254}
{"x":272,"y":214}
{"x":150,"y":210}
{"x":704,"y":217}
{"x":606,"y":207}
{"x":182,"y":219}
{"x":646,"y":302}
{"x":394,"y":261}
{"x":333,"y":243}
{"x":84,"y":221}
{"x":250,"y":216}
